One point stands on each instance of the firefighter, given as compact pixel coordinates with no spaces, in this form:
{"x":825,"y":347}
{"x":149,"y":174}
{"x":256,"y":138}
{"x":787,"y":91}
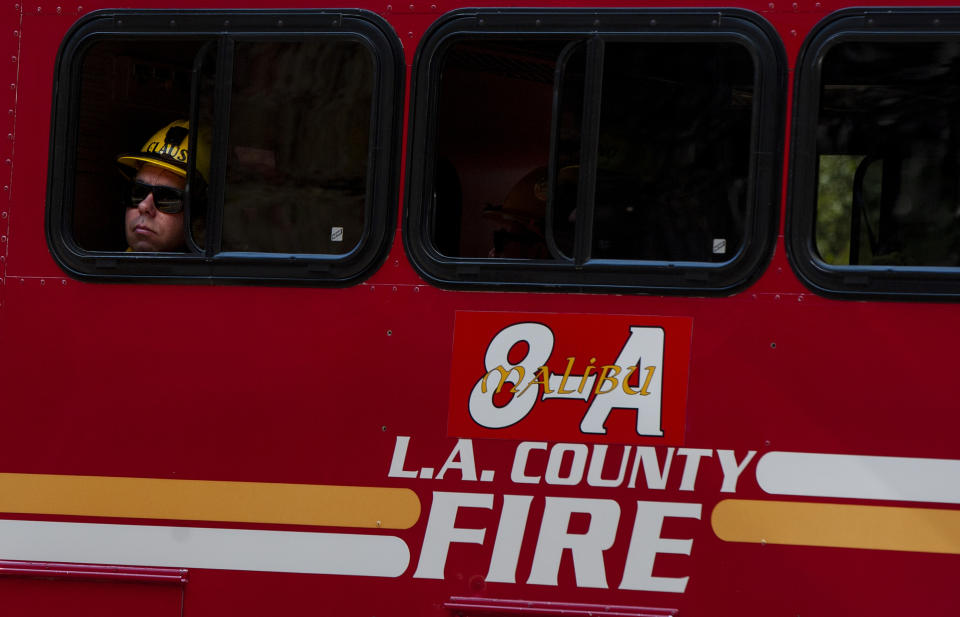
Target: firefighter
{"x":154,"y":218}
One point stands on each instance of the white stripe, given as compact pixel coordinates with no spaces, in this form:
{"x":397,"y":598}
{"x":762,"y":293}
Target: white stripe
{"x":197,"y":547}
{"x":931,"y":480}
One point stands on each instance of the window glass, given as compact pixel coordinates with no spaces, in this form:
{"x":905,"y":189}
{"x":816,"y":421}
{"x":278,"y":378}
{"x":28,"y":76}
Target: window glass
{"x":493,"y":129}
{"x":297,"y":183}
{"x":888,"y":145}
{"x":595,"y":150}
{"x":268,"y":145}
{"x":673,"y":155}
{"x":674,"y":151}
{"x":127,"y":92}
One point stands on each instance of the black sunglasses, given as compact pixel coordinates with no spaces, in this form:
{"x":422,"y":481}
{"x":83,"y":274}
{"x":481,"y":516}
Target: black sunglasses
{"x":167,"y":199}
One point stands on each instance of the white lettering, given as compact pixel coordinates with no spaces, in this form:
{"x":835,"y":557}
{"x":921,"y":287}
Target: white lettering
{"x":506,"y":548}
{"x":595,"y":473}
{"x":731,"y":469}
{"x":586,"y":548}
{"x":399,"y":456}
{"x":519,"y":472}
{"x":643,"y":348}
{"x":646,"y":543}
{"x":442,"y":530}
{"x":540,"y":339}
{"x":577,"y":466}
{"x":461,"y":458}
{"x":692,"y":466}
{"x":655,"y":478}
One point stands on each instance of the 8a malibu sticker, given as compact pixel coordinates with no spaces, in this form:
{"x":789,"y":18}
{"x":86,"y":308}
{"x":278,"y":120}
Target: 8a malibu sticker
{"x":562,"y":377}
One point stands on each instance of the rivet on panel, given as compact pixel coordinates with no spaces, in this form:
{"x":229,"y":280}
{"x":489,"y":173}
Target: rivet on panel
{"x":411,"y":7}
{"x":59,"y":10}
{"x":16,"y":33}
{"x":39,"y":10}
{"x":13,"y":59}
{"x":42,"y":282}
{"x":389,"y":7}
{"x":409,"y":35}
{"x":389,"y":332}
{"x":13,"y":86}
{"x":3,"y":215}
{"x":5,"y":189}
{"x":394,"y":287}
{"x":63,"y":282}
{"x":792,"y":33}
{"x":770,"y":6}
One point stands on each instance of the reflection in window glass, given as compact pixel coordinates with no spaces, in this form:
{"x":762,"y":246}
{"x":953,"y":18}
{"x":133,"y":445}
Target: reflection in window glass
{"x":298,"y":147}
{"x":888,"y":142}
{"x":673,"y":160}
{"x":493,"y":131}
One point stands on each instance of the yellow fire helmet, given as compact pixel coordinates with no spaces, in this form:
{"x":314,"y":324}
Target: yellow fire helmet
{"x":169,"y":149}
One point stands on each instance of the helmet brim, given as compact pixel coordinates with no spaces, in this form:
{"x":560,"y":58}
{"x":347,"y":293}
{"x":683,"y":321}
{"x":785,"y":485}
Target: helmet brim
{"x":136,"y":160}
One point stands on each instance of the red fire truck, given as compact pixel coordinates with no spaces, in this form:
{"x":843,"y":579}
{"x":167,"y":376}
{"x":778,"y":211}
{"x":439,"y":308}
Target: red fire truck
{"x":480,"y":309}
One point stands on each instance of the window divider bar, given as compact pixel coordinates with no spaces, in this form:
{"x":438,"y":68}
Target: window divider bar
{"x":195,"y":141}
{"x":589,"y":145}
{"x":221,"y":128}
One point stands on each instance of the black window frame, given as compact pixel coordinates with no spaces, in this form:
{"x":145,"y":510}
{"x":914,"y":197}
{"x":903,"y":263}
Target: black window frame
{"x":857,"y":282}
{"x":756,"y":35}
{"x":384,"y":148}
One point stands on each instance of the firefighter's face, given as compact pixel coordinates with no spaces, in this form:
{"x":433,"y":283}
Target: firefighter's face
{"x":149,"y":229}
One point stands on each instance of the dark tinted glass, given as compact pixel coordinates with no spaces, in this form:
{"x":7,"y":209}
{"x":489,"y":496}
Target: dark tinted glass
{"x":298,"y":147}
{"x":674,"y":151}
{"x":493,"y":131}
{"x":673,"y":157}
{"x":128,"y":90}
{"x":888,"y":144}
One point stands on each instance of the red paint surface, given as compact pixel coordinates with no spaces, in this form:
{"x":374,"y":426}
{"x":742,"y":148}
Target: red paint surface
{"x":312,"y":385}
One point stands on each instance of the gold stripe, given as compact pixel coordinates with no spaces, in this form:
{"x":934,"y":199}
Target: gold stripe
{"x":838,"y":525}
{"x":202,"y":500}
